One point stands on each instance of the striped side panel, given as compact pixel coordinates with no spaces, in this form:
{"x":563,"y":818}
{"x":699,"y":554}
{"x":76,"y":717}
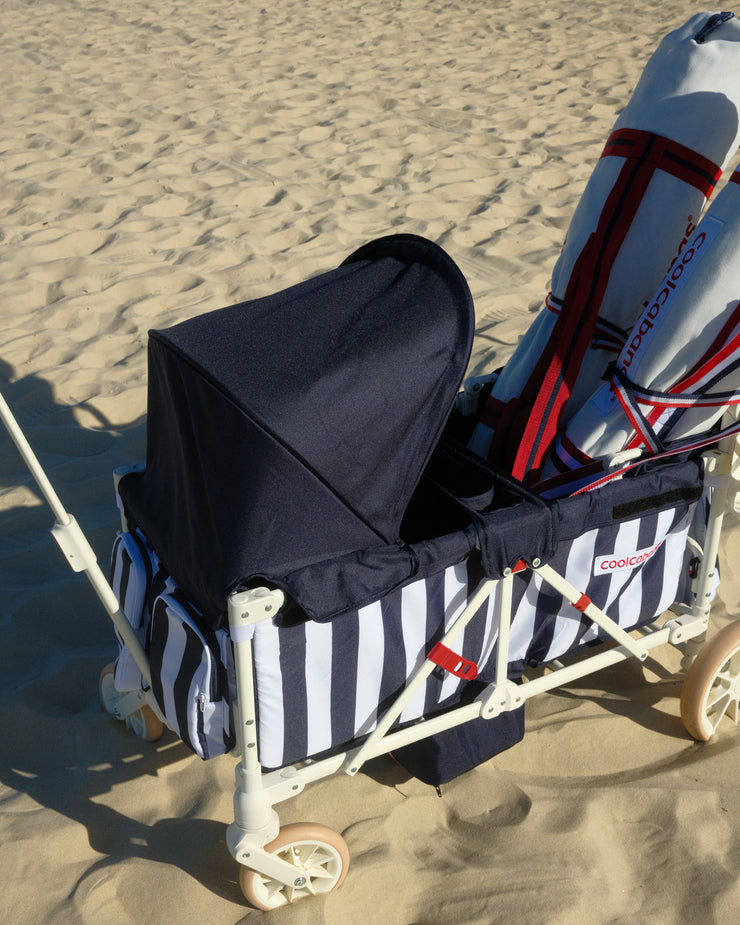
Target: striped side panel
{"x":320,"y":686}
{"x":305,"y":709}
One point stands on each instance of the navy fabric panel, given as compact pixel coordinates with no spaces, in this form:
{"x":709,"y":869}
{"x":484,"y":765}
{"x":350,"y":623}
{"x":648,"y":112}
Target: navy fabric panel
{"x":343,"y":681}
{"x":547,"y":607}
{"x":329,"y":589}
{"x":209,"y":540}
{"x":181,"y":690}
{"x":296,"y":427}
{"x":523,"y":531}
{"x":394,"y":667}
{"x":156,"y":647}
{"x":293,"y":676}
{"x":435,"y":589}
{"x":440,"y":758}
{"x":357,"y":367}
{"x":665,"y":486}
{"x":473,"y":639}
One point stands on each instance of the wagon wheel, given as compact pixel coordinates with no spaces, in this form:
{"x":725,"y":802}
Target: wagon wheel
{"x":712,"y":686}
{"x":144,"y":723}
{"x":320,"y":855}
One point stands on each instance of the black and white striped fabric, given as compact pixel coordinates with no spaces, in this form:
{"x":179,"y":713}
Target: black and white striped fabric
{"x":190,"y":664}
{"x":320,"y":686}
{"x":136,"y":576}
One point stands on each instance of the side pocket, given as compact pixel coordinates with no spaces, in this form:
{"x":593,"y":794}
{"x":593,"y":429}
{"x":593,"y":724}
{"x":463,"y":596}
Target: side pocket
{"x":190,"y":676}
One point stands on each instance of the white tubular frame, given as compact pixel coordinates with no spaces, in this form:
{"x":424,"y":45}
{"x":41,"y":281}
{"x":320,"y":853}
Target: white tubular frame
{"x":73,"y":543}
{"x":255,"y":820}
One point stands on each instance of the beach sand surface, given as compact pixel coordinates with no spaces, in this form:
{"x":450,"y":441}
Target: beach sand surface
{"x":163,"y":159}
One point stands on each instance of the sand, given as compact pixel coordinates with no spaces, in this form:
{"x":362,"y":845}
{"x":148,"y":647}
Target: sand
{"x":162,"y":159}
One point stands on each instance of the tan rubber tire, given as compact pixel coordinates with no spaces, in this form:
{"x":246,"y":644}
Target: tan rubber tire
{"x":711,"y":689}
{"x":321,"y":858}
{"x":144,"y":723}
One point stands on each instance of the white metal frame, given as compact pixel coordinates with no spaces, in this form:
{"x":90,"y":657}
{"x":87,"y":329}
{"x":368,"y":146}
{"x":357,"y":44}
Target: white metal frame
{"x":81,"y":558}
{"x":256,"y":821}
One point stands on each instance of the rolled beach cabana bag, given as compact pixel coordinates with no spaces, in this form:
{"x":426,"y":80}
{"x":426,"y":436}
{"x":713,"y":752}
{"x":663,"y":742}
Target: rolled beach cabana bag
{"x":637,"y":214}
{"x":678,"y":373}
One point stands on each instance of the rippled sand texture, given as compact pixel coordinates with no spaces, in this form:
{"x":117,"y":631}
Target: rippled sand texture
{"x":162,"y":159}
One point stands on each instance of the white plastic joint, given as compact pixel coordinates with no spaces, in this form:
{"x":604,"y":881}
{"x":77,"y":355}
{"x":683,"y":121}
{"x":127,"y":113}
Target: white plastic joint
{"x":73,"y":543}
{"x":255,"y":605}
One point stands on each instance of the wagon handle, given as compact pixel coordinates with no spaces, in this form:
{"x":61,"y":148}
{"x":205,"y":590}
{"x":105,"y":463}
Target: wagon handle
{"x":73,"y":543}
{"x":34,"y":466}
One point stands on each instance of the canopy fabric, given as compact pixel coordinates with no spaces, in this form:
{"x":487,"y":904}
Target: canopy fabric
{"x":288,"y":429}
{"x":638,"y":212}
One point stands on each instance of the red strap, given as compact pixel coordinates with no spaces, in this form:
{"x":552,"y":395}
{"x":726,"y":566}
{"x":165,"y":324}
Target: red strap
{"x":528,"y":424}
{"x":672,"y":157}
{"x":452,"y":662}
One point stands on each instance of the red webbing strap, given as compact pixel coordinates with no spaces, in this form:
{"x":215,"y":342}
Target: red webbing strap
{"x":723,"y":348}
{"x":574,"y":328}
{"x":527,"y":425}
{"x":592,"y":482}
{"x":717,"y":361}
{"x":672,"y":157}
{"x":452,"y":662}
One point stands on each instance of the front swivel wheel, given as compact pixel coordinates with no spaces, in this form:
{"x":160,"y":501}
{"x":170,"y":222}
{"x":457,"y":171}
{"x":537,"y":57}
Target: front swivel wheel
{"x":320,"y":856}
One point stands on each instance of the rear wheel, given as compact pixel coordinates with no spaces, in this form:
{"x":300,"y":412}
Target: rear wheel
{"x":712,"y":686}
{"x":144,"y":723}
{"x":320,"y":856}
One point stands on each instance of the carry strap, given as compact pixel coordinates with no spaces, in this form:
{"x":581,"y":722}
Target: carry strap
{"x":630,"y":396}
{"x":682,"y":446}
{"x":527,"y":425}
{"x":663,"y":410}
{"x":585,"y":476}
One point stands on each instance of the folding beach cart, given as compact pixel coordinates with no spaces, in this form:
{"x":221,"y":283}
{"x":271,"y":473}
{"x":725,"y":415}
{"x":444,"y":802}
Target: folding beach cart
{"x":313,"y":570}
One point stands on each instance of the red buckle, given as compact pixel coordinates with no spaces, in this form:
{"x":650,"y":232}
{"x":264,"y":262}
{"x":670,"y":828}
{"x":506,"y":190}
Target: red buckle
{"x":452,"y":662}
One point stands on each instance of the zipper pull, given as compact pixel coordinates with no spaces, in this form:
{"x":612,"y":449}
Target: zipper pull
{"x":711,"y":24}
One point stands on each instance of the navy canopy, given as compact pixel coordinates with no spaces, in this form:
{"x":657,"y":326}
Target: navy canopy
{"x":294,"y":428}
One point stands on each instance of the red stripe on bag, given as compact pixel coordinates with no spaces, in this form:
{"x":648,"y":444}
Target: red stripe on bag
{"x":527,"y":425}
{"x":725,"y":345}
{"x":673,"y":158}
{"x":574,"y":328}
